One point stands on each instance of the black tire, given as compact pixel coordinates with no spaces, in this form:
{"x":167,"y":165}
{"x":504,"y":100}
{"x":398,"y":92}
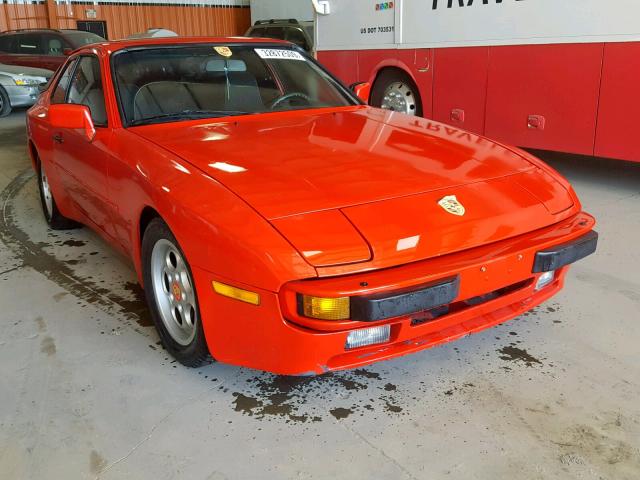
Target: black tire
{"x":52,"y":215}
{"x":196,"y":353}
{"x":387,"y":78}
{"x":5,"y":103}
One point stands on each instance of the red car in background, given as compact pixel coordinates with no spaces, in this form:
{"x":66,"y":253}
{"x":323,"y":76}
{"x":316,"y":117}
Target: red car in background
{"x":277,"y":222}
{"x":42,"y":48}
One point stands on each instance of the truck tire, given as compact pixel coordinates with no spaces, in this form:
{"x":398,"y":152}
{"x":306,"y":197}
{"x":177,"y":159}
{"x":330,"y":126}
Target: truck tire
{"x":395,"y":90}
{"x":5,"y":104}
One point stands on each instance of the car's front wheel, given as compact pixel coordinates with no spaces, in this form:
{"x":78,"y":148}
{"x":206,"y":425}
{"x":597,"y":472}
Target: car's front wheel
{"x":52,"y":215}
{"x":171,"y":295}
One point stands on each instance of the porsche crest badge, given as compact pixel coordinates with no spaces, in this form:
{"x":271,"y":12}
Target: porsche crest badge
{"x":224,"y":51}
{"x":451,"y":205}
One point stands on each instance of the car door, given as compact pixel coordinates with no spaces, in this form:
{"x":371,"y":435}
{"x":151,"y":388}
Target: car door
{"x":83,"y":164}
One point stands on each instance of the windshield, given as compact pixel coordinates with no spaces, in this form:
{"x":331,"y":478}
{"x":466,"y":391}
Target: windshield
{"x":78,"y":38}
{"x":177,"y":83}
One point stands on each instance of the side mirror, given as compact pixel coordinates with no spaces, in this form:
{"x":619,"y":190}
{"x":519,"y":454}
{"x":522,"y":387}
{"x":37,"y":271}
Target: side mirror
{"x":362,"y":90}
{"x":67,"y":51}
{"x":43,"y":87}
{"x":72,"y":117}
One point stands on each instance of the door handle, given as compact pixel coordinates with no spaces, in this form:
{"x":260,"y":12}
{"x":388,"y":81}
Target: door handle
{"x":58,"y":138}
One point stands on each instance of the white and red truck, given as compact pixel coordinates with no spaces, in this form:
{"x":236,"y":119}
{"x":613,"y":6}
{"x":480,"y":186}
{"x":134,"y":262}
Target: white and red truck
{"x":559,"y":75}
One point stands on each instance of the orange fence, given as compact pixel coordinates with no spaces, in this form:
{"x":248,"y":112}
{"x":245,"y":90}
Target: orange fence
{"x":224,"y":17}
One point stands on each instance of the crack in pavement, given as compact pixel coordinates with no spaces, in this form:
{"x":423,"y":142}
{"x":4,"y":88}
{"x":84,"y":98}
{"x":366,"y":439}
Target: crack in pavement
{"x":10,"y":270}
{"x":194,"y":400}
{"x":379,"y":450}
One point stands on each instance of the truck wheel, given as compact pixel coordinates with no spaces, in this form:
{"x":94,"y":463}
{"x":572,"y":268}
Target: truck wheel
{"x":5,"y":104}
{"x":394,"y":90}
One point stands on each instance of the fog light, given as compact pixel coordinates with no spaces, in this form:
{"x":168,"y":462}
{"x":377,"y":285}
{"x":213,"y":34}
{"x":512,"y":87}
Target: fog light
{"x":545,"y":279}
{"x":368,"y":336}
{"x":325,"y":308}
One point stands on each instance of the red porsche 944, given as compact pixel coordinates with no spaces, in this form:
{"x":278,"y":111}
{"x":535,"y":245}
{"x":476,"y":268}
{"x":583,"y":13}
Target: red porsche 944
{"x":278,"y":222}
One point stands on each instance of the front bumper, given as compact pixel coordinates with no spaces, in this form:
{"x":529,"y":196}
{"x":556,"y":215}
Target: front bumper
{"x":22,"y":95}
{"x":496,"y":282}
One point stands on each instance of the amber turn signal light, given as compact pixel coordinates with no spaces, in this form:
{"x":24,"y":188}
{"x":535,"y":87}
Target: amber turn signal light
{"x":236,"y":293}
{"x":325,"y":308}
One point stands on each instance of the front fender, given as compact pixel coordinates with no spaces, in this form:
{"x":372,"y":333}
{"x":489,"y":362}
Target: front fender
{"x":216,"y":229}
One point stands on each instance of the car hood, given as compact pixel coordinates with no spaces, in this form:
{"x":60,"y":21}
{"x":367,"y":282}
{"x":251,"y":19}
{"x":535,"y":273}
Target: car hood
{"x":297,"y":163}
{"x":349,"y":185}
{"x":19,"y":70}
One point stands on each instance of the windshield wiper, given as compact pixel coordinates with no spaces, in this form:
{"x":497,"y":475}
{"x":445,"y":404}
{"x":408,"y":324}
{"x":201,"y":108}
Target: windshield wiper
{"x":187,"y":115}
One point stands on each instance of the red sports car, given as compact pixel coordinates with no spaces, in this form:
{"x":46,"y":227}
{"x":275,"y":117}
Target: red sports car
{"x":277,"y":222}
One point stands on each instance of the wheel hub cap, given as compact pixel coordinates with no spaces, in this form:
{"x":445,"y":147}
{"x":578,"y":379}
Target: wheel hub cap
{"x":177,"y":293}
{"x":173,"y":291}
{"x":399,"y":97}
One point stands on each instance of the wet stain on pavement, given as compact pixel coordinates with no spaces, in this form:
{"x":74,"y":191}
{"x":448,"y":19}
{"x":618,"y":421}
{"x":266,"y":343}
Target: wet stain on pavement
{"x":33,"y":254}
{"x":602,"y":445}
{"x":246,"y":404}
{"x":74,"y":243}
{"x":515,"y":354}
{"x":138,"y":305}
{"x":13,"y":137}
{"x":340,"y":413}
{"x":59,"y":296}
{"x":74,"y":261}
{"x":96,"y":462}
{"x":42,"y":326}
{"x":360,"y":372}
{"x":392,"y":408}
{"x":278,"y":396}
{"x":48,"y":346}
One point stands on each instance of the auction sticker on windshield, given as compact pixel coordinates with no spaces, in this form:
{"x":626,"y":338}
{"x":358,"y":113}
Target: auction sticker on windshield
{"x":272,"y":53}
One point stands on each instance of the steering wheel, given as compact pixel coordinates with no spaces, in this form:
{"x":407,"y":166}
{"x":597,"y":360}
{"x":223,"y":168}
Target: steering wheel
{"x":279,"y":101}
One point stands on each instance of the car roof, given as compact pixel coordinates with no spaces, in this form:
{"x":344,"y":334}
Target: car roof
{"x":282,"y":22}
{"x":115,"y":45}
{"x":41,"y":30}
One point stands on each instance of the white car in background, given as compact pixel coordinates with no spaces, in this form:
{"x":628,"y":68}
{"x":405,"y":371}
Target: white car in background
{"x":19,"y":86}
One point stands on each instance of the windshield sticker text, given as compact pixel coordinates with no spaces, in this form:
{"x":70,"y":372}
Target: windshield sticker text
{"x":272,"y":53}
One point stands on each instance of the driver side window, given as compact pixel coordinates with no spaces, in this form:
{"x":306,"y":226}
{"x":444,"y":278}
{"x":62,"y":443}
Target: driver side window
{"x":86,"y":89}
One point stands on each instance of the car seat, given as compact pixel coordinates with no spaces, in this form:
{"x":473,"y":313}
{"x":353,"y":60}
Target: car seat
{"x":55,"y":47}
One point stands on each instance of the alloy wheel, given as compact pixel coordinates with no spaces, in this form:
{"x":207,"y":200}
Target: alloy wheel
{"x":46,"y":191}
{"x":174,"y":292}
